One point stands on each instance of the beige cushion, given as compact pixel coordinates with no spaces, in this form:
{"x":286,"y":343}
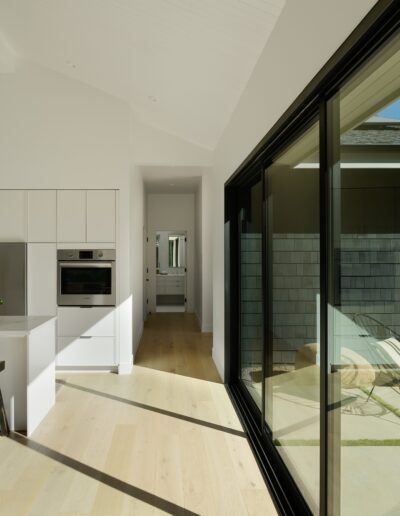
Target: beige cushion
{"x":355,"y":370}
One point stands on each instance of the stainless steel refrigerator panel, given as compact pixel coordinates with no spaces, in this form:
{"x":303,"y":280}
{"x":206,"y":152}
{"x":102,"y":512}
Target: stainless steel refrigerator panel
{"x":12,"y":279}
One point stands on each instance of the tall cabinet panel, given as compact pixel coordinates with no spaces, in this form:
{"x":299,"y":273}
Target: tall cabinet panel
{"x":101,"y":216}
{"x":42,"y":279}
{"x":42,"y":216}
{"x":71,"y":216}
{"x":12,"y":215}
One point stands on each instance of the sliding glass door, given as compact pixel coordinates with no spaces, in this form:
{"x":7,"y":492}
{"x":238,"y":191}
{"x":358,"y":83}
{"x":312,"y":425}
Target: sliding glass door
{"x":315,"y":314}
{"x":292,"y":391}
{"x":364,"y":298}
{"x":250,"y":292}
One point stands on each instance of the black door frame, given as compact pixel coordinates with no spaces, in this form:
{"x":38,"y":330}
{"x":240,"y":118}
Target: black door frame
{"x":378,"y":26}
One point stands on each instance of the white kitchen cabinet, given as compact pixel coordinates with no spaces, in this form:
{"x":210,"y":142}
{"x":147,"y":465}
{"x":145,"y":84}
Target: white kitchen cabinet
{"x":42,"y":216}
{"x":85,"y":351}
{"x":101,"y":216}
{"x":86,"y":336}
{"x":170,"y":284}
{"x":42,"y":279}
{"x":96,"y":321}
{"x":71,"y":216}
{"x":13,"y":216}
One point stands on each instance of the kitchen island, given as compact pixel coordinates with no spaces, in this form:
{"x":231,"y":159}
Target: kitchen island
{"x":27,"y":344}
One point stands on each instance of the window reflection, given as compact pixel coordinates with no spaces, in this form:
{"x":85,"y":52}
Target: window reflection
{"x":364,"y":313}
{"x":292,"y":405}
{"x":251,"y":302}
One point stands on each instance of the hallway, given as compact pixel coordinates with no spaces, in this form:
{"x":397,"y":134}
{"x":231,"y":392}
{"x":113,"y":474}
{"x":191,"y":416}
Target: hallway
{"x":173,"y":342}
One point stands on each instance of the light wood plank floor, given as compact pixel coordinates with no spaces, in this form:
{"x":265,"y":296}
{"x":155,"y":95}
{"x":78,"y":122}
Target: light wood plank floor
{"x":147,"y":443}
{"x":173,"y":342}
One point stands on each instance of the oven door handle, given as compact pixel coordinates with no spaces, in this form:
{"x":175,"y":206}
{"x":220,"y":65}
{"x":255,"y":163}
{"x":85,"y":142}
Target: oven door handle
{"x":86,"y":265}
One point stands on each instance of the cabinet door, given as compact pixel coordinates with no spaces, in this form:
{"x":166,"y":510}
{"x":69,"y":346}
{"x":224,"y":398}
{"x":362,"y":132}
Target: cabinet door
{"x":42,"y":279}
{"x":71,"y":216}
{"x":85,"y":351}
{"x":96,"y":321}
{"x":101,"y":216}
{"x":12,"y":216}
{"x":42,"y":216}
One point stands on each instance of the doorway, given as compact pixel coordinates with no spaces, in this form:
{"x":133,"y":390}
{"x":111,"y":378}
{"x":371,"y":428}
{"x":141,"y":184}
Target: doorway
{"x":169,"y":291}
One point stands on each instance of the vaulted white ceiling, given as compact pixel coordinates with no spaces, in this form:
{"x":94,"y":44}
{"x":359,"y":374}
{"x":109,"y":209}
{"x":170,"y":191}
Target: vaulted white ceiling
{"x":181,"y":64}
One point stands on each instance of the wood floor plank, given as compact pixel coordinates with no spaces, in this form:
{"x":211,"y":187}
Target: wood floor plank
{"x":173,"y":342}
{"x":138,"y":444}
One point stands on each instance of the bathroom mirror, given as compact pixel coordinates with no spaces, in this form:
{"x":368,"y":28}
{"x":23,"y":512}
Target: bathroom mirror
{"x":170,"y":252}
{"x":176,"y":251}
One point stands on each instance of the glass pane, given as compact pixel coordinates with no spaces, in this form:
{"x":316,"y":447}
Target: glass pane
{"x":292,"y":406}
{"x":251,"y":311}
{"x":364,"y":311}
{"x":86,"y":280}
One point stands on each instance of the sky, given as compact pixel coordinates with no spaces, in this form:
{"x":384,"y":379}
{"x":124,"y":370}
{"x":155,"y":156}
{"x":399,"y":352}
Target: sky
{"x":391,"y":111}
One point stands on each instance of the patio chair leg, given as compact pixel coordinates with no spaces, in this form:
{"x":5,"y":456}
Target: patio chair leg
{"x":369,"y":395}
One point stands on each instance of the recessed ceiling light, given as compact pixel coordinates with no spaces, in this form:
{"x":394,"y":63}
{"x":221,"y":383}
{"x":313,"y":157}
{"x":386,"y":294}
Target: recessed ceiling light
{"x":152,"y":98}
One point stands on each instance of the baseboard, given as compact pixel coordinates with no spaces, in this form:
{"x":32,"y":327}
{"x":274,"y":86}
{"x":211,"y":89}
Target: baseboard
{"x":86,"y":369}
{"x":125,"y":367}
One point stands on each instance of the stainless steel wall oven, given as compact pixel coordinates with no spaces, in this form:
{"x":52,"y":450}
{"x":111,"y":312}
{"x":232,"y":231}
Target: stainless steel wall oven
{"x":86,"y":277}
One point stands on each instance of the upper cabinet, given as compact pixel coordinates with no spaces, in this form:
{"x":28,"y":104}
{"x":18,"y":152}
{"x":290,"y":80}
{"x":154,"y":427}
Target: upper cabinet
{"x":42,"y":216}
{"x":12,"y":216}
{"x":100,"y":216}
{"x":71,"y":215}
{"x":65,"y":216}
{"x":86,"y":216}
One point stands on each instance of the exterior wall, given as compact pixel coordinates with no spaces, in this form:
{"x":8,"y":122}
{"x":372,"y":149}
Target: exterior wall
{"x":251,"y":301}
{"x":295,"y":294}
{"x":370,"y":284}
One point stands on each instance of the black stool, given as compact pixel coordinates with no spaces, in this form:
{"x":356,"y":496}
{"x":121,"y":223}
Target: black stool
{"x":5,"y":429}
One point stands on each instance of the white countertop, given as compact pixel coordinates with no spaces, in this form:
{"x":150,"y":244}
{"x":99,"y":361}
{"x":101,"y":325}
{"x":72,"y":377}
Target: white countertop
{"x":21,"y":326}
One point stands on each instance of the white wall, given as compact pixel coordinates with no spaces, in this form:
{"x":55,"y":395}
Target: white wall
{"x":306,"y":35}
{"x":58,"y":133}
{"x":171,"y":212}
{"x":7,"y":56}
{"x":207,"y":251}
{"x":137,"y":220}
{"x":198,"y":251}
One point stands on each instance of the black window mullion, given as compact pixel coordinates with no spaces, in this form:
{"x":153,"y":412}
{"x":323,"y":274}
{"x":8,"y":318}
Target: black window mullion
{"x":324,"y":242}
